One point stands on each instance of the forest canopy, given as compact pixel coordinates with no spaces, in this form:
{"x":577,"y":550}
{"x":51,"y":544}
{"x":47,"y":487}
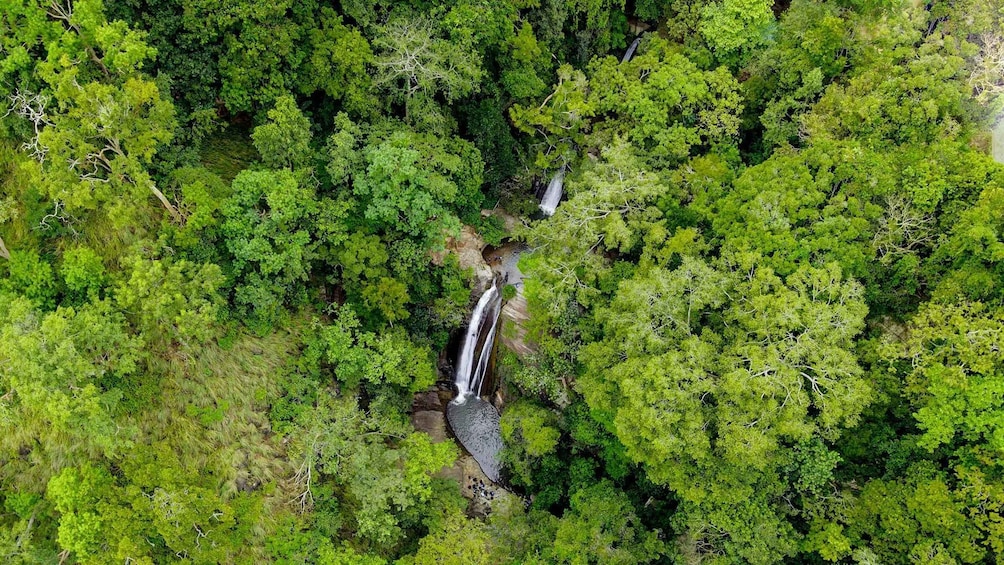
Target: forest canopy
{"x":241,"y":241}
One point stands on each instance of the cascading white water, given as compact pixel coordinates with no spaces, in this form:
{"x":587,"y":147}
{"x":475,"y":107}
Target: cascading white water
{"x":478,"y":376}
{"x":630,"y":51}
{"x":475,"y":422}
{"x":552,"y":196}
{"x":472,"y":363}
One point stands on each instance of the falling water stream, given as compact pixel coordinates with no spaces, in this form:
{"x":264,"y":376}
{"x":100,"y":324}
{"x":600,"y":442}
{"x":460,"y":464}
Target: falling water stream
{"x":552,"y":196}
{"x":474,"y":421}
{"x":630,"y":50}
{"x":472,"y":361}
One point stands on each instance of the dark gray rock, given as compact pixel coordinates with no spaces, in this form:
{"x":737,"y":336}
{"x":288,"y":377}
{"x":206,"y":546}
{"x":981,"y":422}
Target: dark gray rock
{"x":475,"y":423}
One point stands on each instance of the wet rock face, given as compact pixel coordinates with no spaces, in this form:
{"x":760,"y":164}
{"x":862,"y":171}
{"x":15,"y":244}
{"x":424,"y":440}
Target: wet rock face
{"x":475,"y":424}
{"x":513,"y":334}
{"x":504,"y":260}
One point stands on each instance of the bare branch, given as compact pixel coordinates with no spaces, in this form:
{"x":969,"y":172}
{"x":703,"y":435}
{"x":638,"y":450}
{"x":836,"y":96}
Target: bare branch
{"x":987,"y":76}
{"x":32,"y":108}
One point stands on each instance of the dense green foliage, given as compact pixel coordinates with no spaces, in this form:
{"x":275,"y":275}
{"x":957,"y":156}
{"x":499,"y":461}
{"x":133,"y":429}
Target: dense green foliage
{"x":766,"y":321}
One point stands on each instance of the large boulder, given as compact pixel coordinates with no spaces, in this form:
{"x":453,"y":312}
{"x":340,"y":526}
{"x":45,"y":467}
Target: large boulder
{"x":431,"y":422}
{"x":468,"y":247}
{"x":428,"y":400}
{"x":508,"y":220}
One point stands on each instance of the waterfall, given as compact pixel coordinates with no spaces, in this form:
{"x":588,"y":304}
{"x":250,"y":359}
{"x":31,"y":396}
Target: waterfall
{"x":630,"y":50}
{"x":474,"y":421}
{"x":549,"y":203}
{"x":472,"y":363}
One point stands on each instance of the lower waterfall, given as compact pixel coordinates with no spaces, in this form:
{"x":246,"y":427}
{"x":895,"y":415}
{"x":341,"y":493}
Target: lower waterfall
{"x":472,"y":361}
{"x":474,"y":422}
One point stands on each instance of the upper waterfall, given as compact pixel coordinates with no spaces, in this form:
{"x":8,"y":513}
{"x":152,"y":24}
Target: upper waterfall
{"x":552,"y":196}
{"x":630,"y":50}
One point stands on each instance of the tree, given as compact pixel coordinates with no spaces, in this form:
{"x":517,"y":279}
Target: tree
{"x":9,"y":212}
{"x":382,"y":467}
{"x":970,"y":254}
{"x":907,"y":95}
{"x":663,"y":103}
{"x":660,"y":102}
{"x":284,"y":142}
{"x":529,"y":432}
{"x":108,"y":134}
{"x":731,"y":26}
{"x":31,"y":276}
{"x":611,"y":208}
{"x":342,"y":150}
{"x":338,"y":65}
{"x":706,"y":372}
{"x":811,"y":206}
{"x":174,"y":301}
{"x":808,"y":51}
{"x":266,"y":224}
{"x":950,"y":366}
{"x":601,"y":527}
{"x":387,"y":358}
{"x":83,"y":274}
{"x":561,"y":120}
{"x":183,"y":506}
{"x":108,"y":120}
{"x":264,"y":44}
{"x":85,"y":500}
{"x":413,"y":60}
{"x":202,"y":195}
{"x":59,"y":372}
{"x":459,"y":541}
{"x":919,"y":517}
{"x":27,"y":28}
{"x":416,"y":184}
{"x":525,"y":63}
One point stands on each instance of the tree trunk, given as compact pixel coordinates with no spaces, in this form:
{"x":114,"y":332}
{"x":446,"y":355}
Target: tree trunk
{"x":3,"y":250}
{"x":167,"y":203}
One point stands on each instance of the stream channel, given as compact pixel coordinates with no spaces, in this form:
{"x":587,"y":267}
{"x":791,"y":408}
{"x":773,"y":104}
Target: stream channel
{"x":473,"y":418}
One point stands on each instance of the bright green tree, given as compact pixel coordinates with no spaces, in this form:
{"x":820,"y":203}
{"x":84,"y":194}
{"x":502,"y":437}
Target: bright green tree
{"x":388,"y":358}
{"x":730,"y":26}
{"x":382,"y":467}
{"x":59,"y":377}
{"x":284,"y":141}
